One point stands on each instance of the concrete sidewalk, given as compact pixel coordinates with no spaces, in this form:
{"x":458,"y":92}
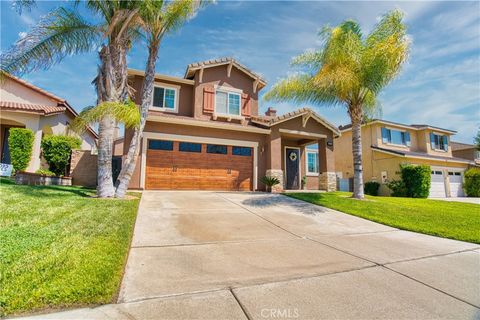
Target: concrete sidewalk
{"x":215,"y":255}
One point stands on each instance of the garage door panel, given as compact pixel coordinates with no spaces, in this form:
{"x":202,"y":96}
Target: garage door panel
{"x":198,"y":170}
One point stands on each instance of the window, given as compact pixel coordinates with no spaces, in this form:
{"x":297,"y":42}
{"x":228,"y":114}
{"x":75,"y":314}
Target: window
{"x":160,"y":145}
{"x":395,"y":137}
{"x":214,"y":148}
{"x":164,"y":98}
{"x":312,"y":162}
{"x":242,"y":151}
{"x":227,"y":103}
{"x":190,"y":147}
{"x":438,"y":142}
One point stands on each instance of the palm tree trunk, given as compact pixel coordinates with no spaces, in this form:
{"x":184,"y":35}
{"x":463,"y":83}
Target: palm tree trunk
{"x":356,"y":116}
{"x":134,"y":149}
{"x":111,"y":83}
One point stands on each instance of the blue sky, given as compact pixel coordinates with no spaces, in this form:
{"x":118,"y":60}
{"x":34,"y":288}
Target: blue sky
{"x":440,"y":84}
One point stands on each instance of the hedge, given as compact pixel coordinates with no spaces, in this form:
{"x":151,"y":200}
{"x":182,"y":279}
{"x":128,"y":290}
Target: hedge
{"x":57,"y":151}
{"x":20,"y":144}
{"x":371,"y":188}
{"x":472,"y":182}
{"x":417,"y":180}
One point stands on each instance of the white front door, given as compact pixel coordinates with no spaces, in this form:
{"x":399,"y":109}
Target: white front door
{"x":456,"y":183}
{"x":437,"y":185}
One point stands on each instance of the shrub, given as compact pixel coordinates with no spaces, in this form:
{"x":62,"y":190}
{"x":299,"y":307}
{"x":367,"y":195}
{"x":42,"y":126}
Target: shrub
{"x":45,"y":172}
{"x":57,"y":151}
{"x":371,"y":188}
{"x":20,"y":144}
{"x":398,"y":188}
{"x":269,"y":182}
{"x":472,"y":182}
{"x":417,"y":180}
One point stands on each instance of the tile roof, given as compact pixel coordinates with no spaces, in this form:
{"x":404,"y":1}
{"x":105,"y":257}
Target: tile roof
{"x":461,"y":146}
{"x":222,"y":61}
{"x":270,"y":121}
{"x":414,"y":154}
{"x":28,"y":107}
{"x":412,"y":126}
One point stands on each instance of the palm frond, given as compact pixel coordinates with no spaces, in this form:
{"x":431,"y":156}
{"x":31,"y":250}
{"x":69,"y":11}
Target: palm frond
{"x":20,"y":5}
{"x":126,"y":113}
{"x":301,"y":89}
{"x":61,"y":33}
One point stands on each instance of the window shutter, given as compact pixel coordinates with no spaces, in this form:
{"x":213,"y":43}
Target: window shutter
{"x":385,"y":135}
{"x":246,"y":105}
{"x":432,"y":140}
{"x":445,"y":143}
{"x":407,"y":139}
{"x":208,"y":99}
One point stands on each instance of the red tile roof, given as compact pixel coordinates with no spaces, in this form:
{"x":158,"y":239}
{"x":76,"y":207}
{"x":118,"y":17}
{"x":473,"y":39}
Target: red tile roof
{"x":35,"y":108}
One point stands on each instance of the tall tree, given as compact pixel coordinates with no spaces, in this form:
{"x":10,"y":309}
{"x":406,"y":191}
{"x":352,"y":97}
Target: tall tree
{"x":349,"y":70}
{"x":65,"y":32}
{"x":476,"y":140}
{"x":158,"y":18}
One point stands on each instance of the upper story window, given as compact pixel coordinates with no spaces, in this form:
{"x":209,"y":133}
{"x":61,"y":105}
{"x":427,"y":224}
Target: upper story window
{"x":395,"y":137}
{"x":312,"y":162}
{"x":438,"y":142}
{"x":165,"y":98}
{"x":227,"y":103}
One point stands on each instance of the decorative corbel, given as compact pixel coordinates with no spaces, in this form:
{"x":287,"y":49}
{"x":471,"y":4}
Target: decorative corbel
{"x":200,"y":75}
{"x":255,"y":85}
{"x":305,"y":118}
{"x":229,"y":68}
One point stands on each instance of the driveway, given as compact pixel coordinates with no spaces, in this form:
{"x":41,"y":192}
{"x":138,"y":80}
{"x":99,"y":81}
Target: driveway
{"x":219,"y":255}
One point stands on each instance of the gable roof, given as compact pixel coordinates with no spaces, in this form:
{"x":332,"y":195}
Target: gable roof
{"x":193,"y":67}
{"x":272,"y":121}
{"x":461,"y":146}
{"x":62,"y":104}
{"x":407,"y":126}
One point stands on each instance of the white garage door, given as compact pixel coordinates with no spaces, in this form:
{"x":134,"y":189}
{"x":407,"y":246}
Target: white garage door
{"x":456,"y":189}
{"x":437,"y":185}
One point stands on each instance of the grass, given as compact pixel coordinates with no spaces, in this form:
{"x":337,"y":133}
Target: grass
{"x":454,"y":220}
{"x":59,"y":247}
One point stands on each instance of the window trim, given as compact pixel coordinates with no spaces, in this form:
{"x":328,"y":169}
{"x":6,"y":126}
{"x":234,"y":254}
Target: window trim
{"x":175,"y":102}
{"x":309,"y":173}
{"x":437,"y":146}
{"x":228,"y":91}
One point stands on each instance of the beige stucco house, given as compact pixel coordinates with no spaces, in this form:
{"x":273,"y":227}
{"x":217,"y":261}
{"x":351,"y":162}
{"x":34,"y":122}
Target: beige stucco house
{"x":27,"y":106}
{"x":386,"y":145}
{"x":204,"y":131}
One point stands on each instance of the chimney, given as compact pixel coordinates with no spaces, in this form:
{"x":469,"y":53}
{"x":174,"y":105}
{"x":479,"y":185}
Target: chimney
{"x":271,"y":112}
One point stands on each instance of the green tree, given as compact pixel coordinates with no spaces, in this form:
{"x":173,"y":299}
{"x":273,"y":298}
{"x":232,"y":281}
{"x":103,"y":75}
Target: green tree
{"x":20,"y":144}
{"x":57,"y":151}
{"x":350,"y":70}
{"x":477,"y":140}
{"x":158,"y":18}
{"x":64,"y":32}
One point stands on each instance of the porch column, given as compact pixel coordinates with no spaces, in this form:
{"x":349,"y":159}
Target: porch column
{"x":34,"y":164}
{"x":327,"y":177}
{"x":275,"y":160}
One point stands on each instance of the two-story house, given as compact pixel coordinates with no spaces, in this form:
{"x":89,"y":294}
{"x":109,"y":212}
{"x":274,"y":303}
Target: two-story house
{"x":386,"y":145}
{"x":204,"y":132}
{"x":466,"y":151}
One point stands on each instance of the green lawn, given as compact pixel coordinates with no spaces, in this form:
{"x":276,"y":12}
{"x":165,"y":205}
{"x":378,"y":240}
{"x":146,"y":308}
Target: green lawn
{"x":59,"y":247}
{"x":460,"y":221}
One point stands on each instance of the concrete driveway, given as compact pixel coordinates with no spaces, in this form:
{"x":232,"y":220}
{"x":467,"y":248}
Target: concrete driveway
{"x":214,"y":255}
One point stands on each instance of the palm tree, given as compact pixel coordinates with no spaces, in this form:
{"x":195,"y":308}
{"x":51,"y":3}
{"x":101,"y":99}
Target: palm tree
{"x":65,"y":32}
{"x":349,"y":70}
{"x":157,"y":19}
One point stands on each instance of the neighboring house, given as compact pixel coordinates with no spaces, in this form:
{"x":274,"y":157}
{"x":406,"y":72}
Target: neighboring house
{"x":465,"y":151}
{"x":204,"y":132}
{"x":386,"y":145}
{"x":24,"y":105}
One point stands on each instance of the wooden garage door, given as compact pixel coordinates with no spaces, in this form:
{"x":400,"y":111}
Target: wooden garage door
{"x":195,"y":166}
